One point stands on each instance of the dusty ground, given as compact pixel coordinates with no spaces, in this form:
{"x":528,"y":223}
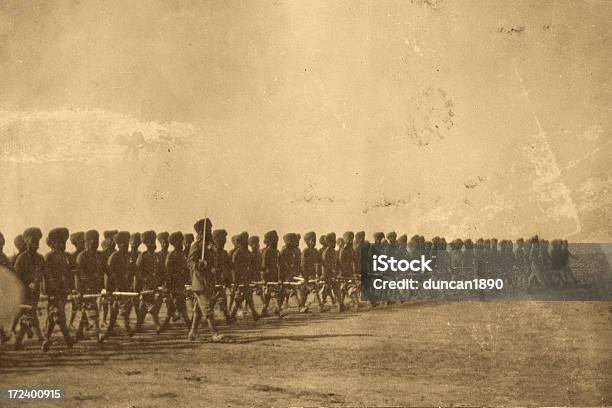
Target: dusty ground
{"x":468,"y":353}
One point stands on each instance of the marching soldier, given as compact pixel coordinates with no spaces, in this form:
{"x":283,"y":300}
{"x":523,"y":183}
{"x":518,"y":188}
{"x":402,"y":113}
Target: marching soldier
{"x":330,"y":262}
{"x":286,"y":263}
{"x":346,"y":266}
{"x":120,"y":278}
{"x":5,"y":262}
{"x":148,"y":277}
{"x":88,"y":281}
{"x":108,"y":247}
{"x":271,"y":273}
{"x":310,"y":262}
{"x":241,"y":261}
{"x":56,"y":285}
{"x":77,"y":239}
{"x":28,"y":267}
{"x":203,"y":279}
{"x":164,"y":244}
{"x":175,"y":281}
{"x":255,"y":269}
{"x":135,"y":243}
{"x":221,"y":268}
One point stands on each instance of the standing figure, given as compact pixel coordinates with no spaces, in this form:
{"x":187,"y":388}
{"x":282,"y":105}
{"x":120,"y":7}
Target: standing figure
{"x":310,"y":262}
{"x":203,"y":279}
{"x":119,"y":278}
{"x":271,"y":274}
{"x":77,"y":239}
{"x":255,"y":268}
{"x":108,"y":247}
{"x":56,"y":285}
{"x":148,"y":278}
{"x":330,"y":273}
{"x":89,"y":281}
{"x":28,"y":267}
{"x":175,"y":281}
{"x":241,"y":261}
{"x":221,"y":268}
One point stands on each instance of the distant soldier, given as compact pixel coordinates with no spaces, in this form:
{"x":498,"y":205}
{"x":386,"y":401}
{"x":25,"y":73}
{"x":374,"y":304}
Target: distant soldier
{"x":271,"y":273}
{"x":520,"y":265}
{"x":468,"y":263}
{"x":286,"y":262}
{"x":119,"y":278}
{"x":255,"y":269}
{"x":330,"y":272}
{"x":456,"y":258}
{"x":28,"y":268}
{"x":203,"y":279}
{"x":323,"y":243}
{"x":188,"y":239}
{"x":241,"y":261}
{"x":310,"y":262}
{"x":493,"y":260}
{"x":346,"y":265}
{"x":77,"y":239}
{"x":20,"y":246}
{"x":175,"y":281}
{"x":506,"y":262}
{"x":148,"y":278}
{"x":88,"y":281}
{"x":538,"y":273}
{"x":567,"y":275}
{"x":480,"y":258}
{"x":357,"y":251}
{"x":56,"y":285}
{"x":135,"y":243}
{"x":164,"y":244}
{"x":221,"y":268}
{"x":108,"y":247}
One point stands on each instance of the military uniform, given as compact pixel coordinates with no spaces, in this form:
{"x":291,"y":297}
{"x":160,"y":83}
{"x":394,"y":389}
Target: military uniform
{"x":56,"y":285}
{"x":271,"y":273}
{"x":108,"y":247}
{"x":89,"y":280}
{"x":222,"y":270}
{"x":310,"y":263}
{"x":176,"y":264}
{"x":119,"y":278}
{"x":241,"y":262}
{"x":28,"y":268}
{"x":148,"y":279}
{"x":329,"y":262}
{"x":202,"y":278}
{"x":78,"y":240}
{"x":255,"y":271}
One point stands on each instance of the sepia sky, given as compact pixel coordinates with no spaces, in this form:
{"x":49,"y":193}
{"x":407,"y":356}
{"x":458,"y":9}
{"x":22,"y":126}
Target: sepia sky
{"x":460,"y":118}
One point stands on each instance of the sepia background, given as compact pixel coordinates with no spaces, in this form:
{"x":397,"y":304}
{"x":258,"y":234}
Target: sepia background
{"x":459,"y":118}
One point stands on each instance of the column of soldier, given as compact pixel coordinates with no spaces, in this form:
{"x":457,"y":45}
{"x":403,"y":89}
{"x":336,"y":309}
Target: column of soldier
{"x":120,"y":278}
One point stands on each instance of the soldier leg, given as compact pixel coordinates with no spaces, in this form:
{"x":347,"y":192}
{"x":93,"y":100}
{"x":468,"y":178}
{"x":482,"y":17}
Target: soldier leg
{"x":114,"y":312}
{"x":181,"y":308}
{"x":195,"y":321}
{"x":50,"y":326}
{"x":91,"y":312}
{"x":61,"y":322}
{"x":266,"y":297}
{"x":221,"y":299}
{"x":21,"y":332}
{"x":170,"y":311}
{"x":336,"y":291}
{"x":248,"y":297}
{"x":238,"y":299}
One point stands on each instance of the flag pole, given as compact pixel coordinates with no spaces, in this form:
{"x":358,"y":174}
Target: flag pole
{"x":204,"y":236}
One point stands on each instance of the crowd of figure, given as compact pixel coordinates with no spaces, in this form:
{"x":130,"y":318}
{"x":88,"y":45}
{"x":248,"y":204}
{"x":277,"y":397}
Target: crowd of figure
{"x":107,"y":285}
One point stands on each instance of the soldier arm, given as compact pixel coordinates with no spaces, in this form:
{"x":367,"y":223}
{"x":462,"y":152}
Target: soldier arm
{"x":43,"y":280}
{"x":77,"y":279}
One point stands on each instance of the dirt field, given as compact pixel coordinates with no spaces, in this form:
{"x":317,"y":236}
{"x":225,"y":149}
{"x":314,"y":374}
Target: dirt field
{"x":468,"y":353}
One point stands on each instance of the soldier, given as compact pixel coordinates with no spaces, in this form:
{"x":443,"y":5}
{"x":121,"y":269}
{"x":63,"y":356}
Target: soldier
{"x":88,"y":281}
{"x":241,"y":261}
{"x":271,"y":273}
{"x":135,"y":242}
{"x":468,"y":263}
{"x":164,"y":244}
{"x":520,"y":262}
{"x":310,"y":261}
{"x":188,"y":239}
{"x":330,"y":273}
{"x":148,"y":279}
{"x":456,"y":258}
{"x":255,"y":269}
{"x":323,"y":243}
{"x":28,"y":268}
{"x":567,"y":275}
{"x":120,"y":278}
{"x":21,"y":246}
{"x":221,"y":268}
{"x":203,"y":279}
{"x":294,"y":272}
{"x":286,"y":262}
{"x":56,"y":285}
{"x":108,"y":247}
{"x":537,"y":275}
{"x":77,"y":239}
{"x":175,"y":281}
{"x":346,"y":266}
{"x":493,"y":258}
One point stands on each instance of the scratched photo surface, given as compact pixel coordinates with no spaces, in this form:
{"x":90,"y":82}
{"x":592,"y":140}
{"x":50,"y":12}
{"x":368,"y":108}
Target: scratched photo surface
{"x":437,"y":117}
